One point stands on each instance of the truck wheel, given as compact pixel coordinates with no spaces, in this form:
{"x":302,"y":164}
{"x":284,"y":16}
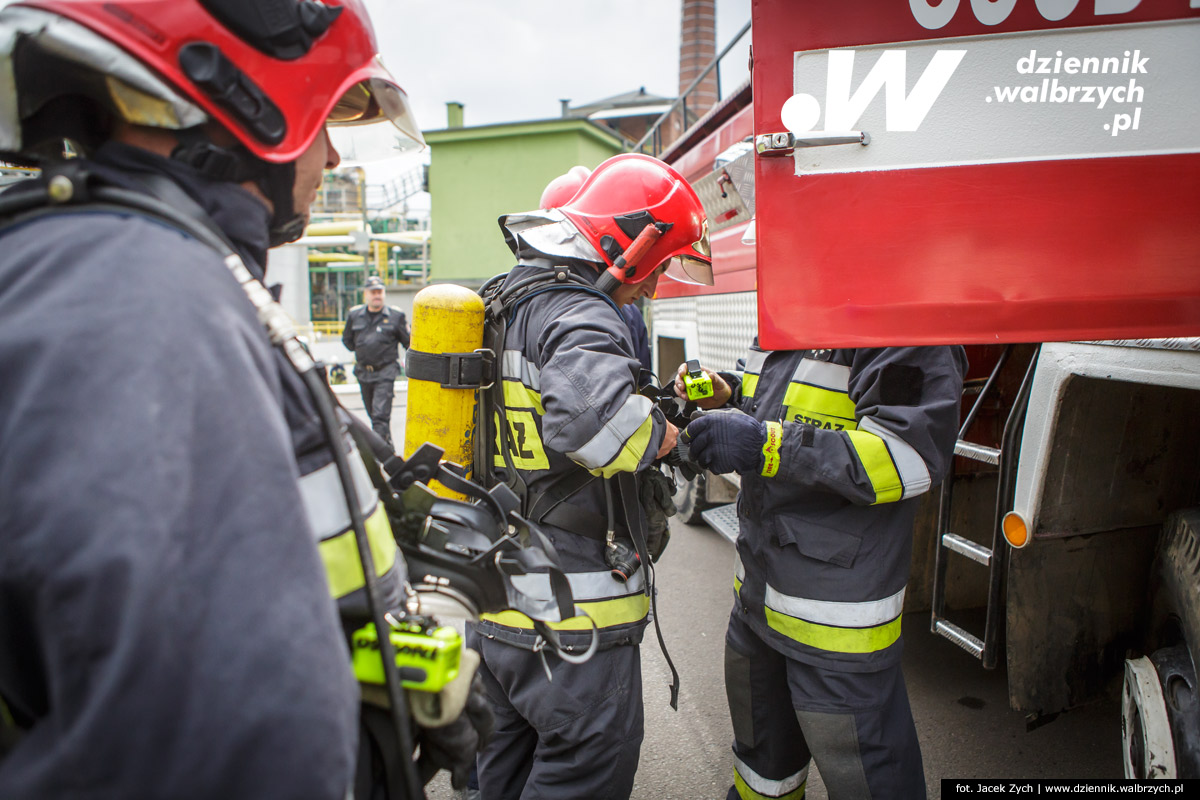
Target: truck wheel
{"x":1160,"y":717}
{"x":690,"y":500}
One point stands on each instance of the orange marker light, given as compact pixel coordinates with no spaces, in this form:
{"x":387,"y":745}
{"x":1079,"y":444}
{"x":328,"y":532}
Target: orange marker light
{"x":1015,"y":530}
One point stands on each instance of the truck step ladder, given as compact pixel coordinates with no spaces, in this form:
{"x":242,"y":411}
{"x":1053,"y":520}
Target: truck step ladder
{"x":995,"y":557}
{"x":723,"y":520}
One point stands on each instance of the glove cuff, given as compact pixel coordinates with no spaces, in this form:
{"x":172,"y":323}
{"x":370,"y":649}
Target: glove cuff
{"x":770,"y":449}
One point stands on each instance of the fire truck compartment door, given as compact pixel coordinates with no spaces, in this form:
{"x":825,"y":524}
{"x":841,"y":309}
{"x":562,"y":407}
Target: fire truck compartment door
{"x":1032,"y":171}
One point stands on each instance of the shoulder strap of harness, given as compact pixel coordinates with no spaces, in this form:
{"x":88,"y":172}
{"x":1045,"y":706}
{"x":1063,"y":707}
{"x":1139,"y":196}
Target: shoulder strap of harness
{"x":71,"y":186}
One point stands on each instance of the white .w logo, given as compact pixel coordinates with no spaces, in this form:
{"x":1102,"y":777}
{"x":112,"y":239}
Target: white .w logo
{"x":843,"y":108}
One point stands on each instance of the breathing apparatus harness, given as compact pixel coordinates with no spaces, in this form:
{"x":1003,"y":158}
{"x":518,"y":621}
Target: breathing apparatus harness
{"x":464,"y":554}
{"x":501,"y":302}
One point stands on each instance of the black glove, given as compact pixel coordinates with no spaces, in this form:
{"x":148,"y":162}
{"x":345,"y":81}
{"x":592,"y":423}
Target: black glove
{"x":453,"y":747}
{"x":727,"y":441}
{"x":654,"y":491}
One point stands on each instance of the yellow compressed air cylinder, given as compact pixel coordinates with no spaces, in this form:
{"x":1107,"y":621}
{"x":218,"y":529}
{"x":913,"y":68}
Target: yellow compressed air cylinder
{"x":446,"y":319}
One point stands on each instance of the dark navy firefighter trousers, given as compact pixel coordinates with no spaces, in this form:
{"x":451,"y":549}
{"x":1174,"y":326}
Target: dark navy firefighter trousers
{"x":576,"y":737}
{"x":857,"y":726}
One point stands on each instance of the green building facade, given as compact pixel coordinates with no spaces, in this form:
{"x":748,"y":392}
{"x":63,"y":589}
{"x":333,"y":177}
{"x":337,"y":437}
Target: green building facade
{"x":477,"y":174}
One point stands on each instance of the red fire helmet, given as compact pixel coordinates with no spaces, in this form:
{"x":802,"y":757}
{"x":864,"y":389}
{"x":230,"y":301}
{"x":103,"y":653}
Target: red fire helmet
{"x":630,"y":191}
{"x":272,"y":72}
{"x":563,"y":188}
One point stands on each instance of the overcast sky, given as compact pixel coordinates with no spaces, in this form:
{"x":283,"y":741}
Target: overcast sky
{"x":511,"y":60}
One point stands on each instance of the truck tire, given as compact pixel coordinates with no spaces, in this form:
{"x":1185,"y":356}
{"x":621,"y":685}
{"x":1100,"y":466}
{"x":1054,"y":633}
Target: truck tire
{"x":1163,"y":688}
{"x":690,"y":501}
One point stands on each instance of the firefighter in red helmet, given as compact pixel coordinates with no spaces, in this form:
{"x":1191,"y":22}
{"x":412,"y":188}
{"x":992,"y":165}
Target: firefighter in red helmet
{"x":178,"y":505}
{"x":555,"y":195}
{"x":563,"y":188}
{"x":573,"y":433}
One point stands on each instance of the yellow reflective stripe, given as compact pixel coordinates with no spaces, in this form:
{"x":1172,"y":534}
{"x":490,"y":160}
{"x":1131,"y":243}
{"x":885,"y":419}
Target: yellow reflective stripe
{"x":817,"y":406}
{"x":631,"y":452}
{"x":771,"y":449}
{"x":737,"y":584}
{"x":746,"y":793}
{"x":833,"y":639}
{"x":606,"y":614}
{"x":877,"y":461}
{"x":524,"y":443}
{"x":518,"y":395}
{"x":340,"y":554}
{"x":913,"y":471}
{"x":755,"y":360}
{"x":615,"y":435}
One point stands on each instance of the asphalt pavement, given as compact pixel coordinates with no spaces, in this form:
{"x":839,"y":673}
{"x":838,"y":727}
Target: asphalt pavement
{"x":961,"y":711}
{"x":964,"y":724}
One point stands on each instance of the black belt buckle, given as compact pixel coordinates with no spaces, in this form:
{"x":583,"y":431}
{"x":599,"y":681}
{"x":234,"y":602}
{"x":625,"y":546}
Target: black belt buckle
{"x":464,"y":370}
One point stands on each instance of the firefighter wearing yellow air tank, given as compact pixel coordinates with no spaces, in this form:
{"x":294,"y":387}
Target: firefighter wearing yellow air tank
{"x":572,"y":423}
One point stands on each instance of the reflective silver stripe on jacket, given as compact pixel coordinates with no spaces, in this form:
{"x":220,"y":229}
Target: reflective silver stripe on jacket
{"x":325,"y":502}
{"x":606,"y":445}
{"x":912,"y":469}
{"x":767,"y":787}
{"x":842,"y":615}
{"x":834,"y":377}
{"x":754,"y":362}
{"x":585,"y":586}
{"x":518,"y":368}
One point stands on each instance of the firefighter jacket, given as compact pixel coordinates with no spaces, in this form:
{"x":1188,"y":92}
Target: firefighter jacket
{"x":571,"y":407}
{"x":373,"y":338}
{"x":826,"y":532}
{"x":169,"y":526}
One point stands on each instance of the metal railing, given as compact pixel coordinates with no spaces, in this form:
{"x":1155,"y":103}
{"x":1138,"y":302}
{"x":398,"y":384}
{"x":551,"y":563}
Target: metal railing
{"x":384,"y":196}
{"x":680,"y":104}
{"x":325,"y":327}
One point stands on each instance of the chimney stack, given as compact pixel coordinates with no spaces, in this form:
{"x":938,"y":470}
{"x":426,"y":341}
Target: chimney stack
{"x":697,"y":48}
{"x":454,"y":114}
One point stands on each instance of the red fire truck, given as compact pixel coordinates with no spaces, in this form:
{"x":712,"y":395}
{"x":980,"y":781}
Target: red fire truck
{"x":1021,"y":177}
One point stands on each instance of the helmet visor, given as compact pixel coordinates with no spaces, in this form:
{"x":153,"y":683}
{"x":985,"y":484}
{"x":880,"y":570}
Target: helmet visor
{"x":686,"y":269}
{"x":373,"y":121}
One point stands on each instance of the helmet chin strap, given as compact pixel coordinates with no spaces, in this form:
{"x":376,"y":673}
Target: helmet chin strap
{"x":237,"y":165}
{"x":278,"y":184}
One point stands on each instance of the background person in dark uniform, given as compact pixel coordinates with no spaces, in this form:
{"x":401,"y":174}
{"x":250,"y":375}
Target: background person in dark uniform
{"x":372,"y":333}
